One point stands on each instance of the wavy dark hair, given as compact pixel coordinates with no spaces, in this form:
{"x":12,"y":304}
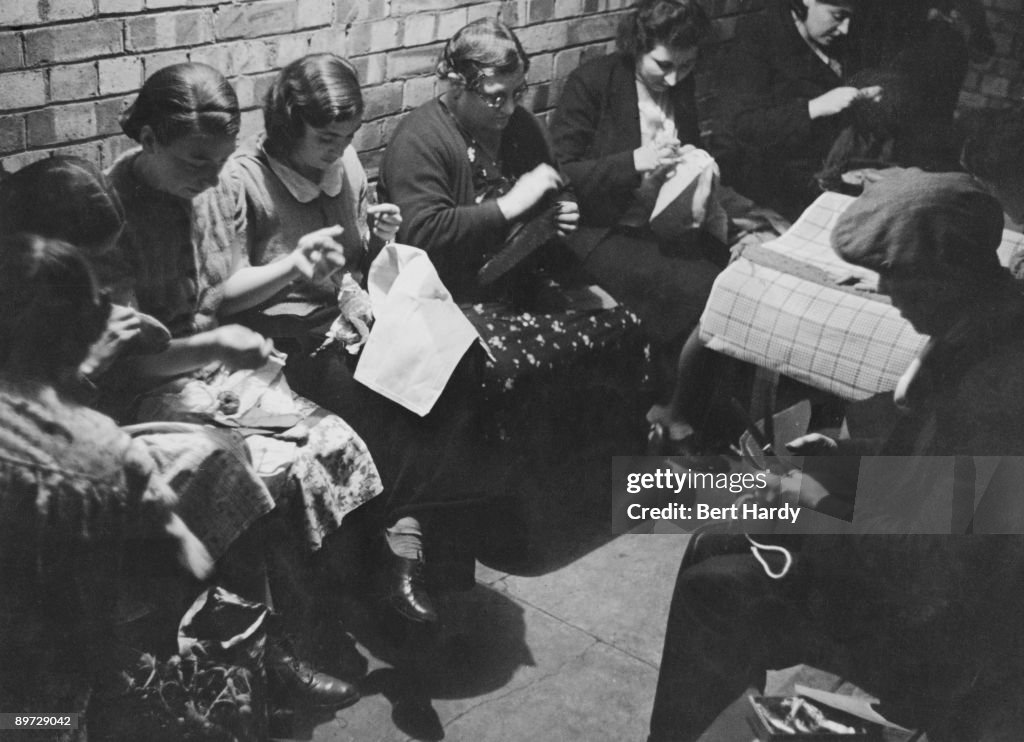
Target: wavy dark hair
{"x":798,"y":7}
{"x":315,"y":91}
{"x":49,"y":308}
{"x":183,"y":99}
{"x":483,"y":48}
{"x":678,"y":24}
{"x":64,"y":198}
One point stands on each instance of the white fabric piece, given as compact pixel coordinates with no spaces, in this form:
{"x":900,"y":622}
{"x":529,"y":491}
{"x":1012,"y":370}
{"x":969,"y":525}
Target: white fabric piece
{"x":689,"y":200}
{"x":419,"y":334}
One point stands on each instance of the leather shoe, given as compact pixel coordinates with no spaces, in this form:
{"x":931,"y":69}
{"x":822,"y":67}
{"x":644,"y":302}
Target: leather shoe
{"x":406,"y":591}
{"x":302,"y":683}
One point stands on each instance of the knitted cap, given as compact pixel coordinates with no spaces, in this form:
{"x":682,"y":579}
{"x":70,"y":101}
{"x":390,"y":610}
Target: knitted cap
{"x":913,"y":222}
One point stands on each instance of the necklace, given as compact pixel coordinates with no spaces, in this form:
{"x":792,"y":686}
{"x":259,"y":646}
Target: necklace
{"x":489,"y":178}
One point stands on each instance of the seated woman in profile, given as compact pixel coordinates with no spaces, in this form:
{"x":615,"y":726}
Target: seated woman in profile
{"x":302,"y":174}
{"x":468,"y":169}
{"x":181,"y":259}
{"x":790,"y":66}
{"x":217,"y":493}
{"x":73,"y":485}
{"x":622,"y":124}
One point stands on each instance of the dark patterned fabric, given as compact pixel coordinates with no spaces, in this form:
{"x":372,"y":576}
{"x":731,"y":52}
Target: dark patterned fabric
{"x":72,"y":486}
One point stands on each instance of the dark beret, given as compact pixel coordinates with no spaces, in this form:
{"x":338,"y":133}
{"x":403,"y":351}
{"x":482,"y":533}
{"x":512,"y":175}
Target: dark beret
{"x":922,"y":223}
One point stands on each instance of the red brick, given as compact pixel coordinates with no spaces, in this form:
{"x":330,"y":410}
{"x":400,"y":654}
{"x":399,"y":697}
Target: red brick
{"x":72,"y":42}
{"x":168,"y":30}
{"x":217,"y":56}
{"x":382,"y":100}
{"x":371,"y":69}
{"x":120,"y":75}
{"x":313,"y":14}
{"x":411,"y":62}
{"x":69,"y":10}
{"x":347,"y":11}
{"x":111,"y":7}
{"x":61,"y":124}
{"x":419,"y":29}
{"x":566,"y":61}
{"x":12,"y":133}
{"x":548,"y":37}
{"x":373,"y":37}
{"x":539,"y":97}
{"x":87,"y":151}
{"x":252,"y":124}
{"x":419,"y":90}
{"x":11,"y":54}
{"x":371,"y":162}
{"x":250,"y":56}
{"x":17,"y":162}
{"x":261,"y":84}
{"x":450,"y":22}
{"x":541,"y":68}
{"x":108,"y":114}
{"x":328,"y":40}
{"x":255,"y":19}
{"x":289,"y":48}
{"x":20,"y":13}
{"x":568,"y":8}
{"x":493,"y":10}
{"x":541,"y":10}
{"x":114,"y":147}
{"x":73,"y":81}
{"x":404,"y":7}
{"x":22,"y":89}
{"x":153,"y":62}
{"x":244,"y":90}
{"x":369,"y":136}
{"x":590,"y":29}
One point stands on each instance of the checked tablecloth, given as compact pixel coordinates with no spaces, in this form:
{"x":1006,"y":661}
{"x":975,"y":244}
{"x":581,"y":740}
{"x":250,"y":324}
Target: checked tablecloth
{"x":793,"y":306}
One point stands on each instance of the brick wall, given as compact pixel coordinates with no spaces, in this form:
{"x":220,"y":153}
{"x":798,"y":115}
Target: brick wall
{"x":67,"y":67}
{"x":998,"y":80}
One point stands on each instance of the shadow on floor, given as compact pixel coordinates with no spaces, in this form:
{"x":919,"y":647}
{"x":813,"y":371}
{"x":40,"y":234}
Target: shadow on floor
{"x":477,"y":648}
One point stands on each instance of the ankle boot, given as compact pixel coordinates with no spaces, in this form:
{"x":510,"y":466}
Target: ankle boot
{"x":300,"y":682}
{"x":406,"y":589}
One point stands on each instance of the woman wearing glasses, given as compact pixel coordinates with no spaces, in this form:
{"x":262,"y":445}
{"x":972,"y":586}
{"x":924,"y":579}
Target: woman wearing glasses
{"x":467,"y":165}
{"x":468,"y":169}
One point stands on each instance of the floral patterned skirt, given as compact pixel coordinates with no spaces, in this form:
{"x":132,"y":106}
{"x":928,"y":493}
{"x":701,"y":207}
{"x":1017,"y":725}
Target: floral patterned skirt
{"x":533,"y":359}
{"x":319,"y":461}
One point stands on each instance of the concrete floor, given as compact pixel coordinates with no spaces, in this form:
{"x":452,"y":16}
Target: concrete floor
{"x":562,"y":647}
{"x":568,"y":655}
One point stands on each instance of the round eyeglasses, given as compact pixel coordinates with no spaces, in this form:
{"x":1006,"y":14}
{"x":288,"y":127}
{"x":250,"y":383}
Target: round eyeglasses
{"x":497,"y":100}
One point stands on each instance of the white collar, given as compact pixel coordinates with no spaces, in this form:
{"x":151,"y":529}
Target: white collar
{"x":302,"y":188}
